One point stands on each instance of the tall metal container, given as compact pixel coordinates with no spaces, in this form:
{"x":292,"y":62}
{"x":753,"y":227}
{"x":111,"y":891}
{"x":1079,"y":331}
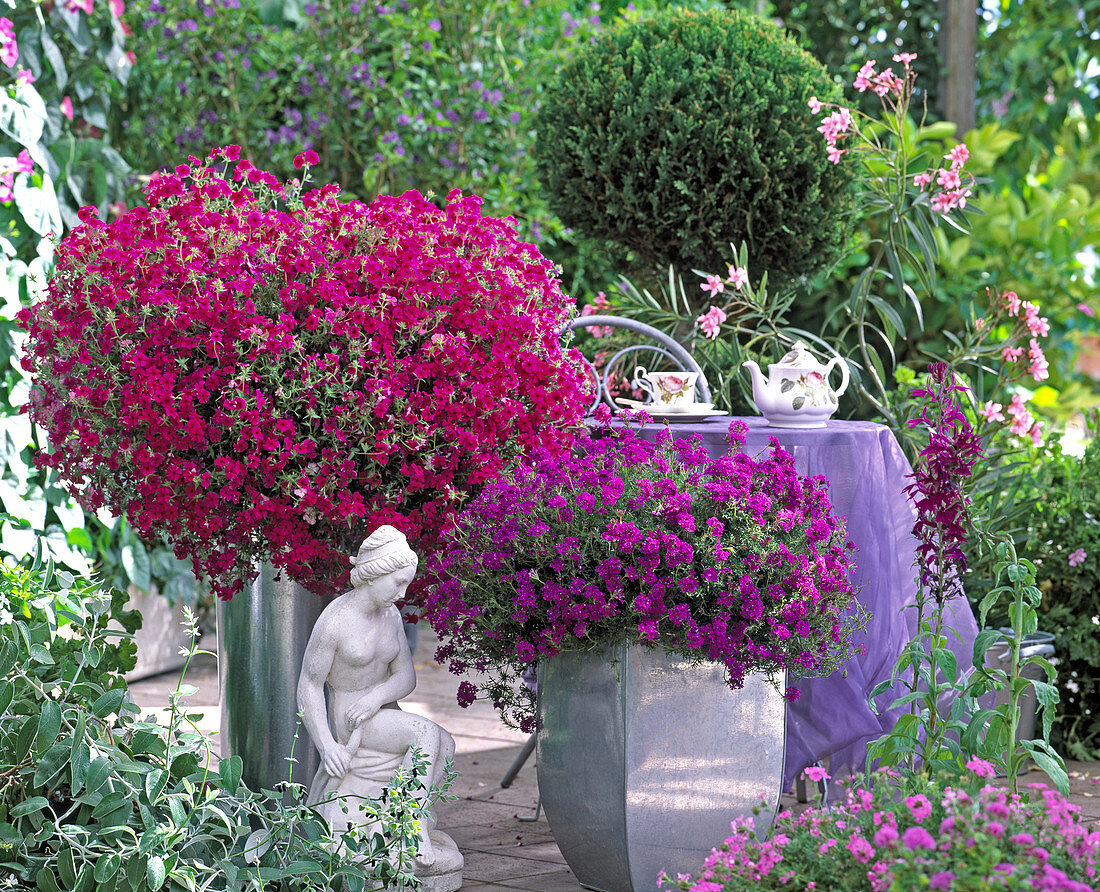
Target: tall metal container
{"x":644,"y":759}
{"x":262,"y":636}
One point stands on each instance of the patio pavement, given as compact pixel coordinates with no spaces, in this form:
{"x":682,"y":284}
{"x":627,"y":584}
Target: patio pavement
{"x":502,"y":852}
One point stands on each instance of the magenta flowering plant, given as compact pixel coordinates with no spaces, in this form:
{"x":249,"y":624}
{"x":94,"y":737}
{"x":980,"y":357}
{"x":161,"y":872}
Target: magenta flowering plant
{"x":260,"y":372}
{"x":735,"y":559}
{"x":950,"y":833}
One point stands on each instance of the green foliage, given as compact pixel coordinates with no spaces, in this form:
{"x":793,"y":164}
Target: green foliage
{"x":91,"y":798}
{"x":1065,"y":527}
{"x":675,"y":135}
{"x":392,"y":97}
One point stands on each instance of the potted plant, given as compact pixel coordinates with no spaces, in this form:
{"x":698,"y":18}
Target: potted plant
{"x":646,"y":580}
{"x":264,"y":375}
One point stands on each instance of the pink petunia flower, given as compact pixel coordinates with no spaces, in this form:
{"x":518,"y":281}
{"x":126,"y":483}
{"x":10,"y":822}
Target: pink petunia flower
{"x":67,"y":108}
{"x":25,"y":76}
{"x":9,"y":49}
{"x":7,"y":180}
{"x":23,"y":162}
{"x":1076,"y":558}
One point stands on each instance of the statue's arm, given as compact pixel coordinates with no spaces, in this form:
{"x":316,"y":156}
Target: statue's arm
{"x":316,"y":665}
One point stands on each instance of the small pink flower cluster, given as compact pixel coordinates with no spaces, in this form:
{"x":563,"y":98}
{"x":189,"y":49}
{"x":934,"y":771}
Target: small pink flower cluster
{"x":952,"y":192}
{"x":1076,"y":558}
{"x":883,"y":82}
{"x":9,"y":48}
{"x":710,"y":323}
{"x":22,"y":164}
{"x":599,"y":306}
{"x":260,"y":374}
{"x":967,"y":837}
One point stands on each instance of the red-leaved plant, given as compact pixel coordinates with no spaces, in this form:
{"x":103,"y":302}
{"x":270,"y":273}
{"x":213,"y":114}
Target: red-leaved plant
{"x":261,"y":373}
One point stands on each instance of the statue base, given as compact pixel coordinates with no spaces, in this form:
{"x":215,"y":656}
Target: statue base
{"x":445,"y":873}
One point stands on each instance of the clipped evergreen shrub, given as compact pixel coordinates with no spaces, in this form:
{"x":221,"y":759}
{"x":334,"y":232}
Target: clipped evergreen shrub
{"x":679,"y":134}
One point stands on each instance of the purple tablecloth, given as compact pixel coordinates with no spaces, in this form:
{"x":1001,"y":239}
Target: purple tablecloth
{"x":866,"y":470}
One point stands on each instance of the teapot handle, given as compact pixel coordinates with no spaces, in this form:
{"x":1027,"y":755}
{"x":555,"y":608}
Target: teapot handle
{"x":844,"y":373}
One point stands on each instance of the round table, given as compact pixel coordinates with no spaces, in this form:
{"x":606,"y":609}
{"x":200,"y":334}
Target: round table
{"x":866,"y":472}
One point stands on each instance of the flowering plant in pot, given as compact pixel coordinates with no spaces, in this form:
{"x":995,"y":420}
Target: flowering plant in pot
{"x":265,"y":373}
{"x":736,"y":560}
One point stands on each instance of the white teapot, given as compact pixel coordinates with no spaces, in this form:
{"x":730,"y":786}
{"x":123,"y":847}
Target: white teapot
{"x":797,"y":392}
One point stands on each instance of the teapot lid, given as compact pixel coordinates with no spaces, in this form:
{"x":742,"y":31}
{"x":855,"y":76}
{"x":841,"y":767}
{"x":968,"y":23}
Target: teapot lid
{"x":800,"y":357}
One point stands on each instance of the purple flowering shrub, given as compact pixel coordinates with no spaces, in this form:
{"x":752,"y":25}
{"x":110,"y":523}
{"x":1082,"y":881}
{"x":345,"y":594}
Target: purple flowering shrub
{"x":735,"y":559}
{"x":965,"y":835}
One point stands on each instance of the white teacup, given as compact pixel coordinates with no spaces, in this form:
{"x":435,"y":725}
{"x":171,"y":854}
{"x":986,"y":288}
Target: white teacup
{"x":667,"y":389}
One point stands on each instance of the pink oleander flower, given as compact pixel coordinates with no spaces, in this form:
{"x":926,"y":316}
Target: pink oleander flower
{"x":991,"y":411}
{"x":9,"y":49}
{"x":958,"y":156}
{"x":714,"y":285}
{"x":922,"y":179}
{"x":863,"y":81}
{"x":737,"y":276}
{"x":1076,"y":558}
{"x":1011,"y":354}
{"x":948,"y":178}
{"x":834,"y":154}
{"x":1037,"y":361}
{"x":1087,"y":310}
{"x":815,"y":104}
{"x":1036,"y":324}
{"x":710,"y":323}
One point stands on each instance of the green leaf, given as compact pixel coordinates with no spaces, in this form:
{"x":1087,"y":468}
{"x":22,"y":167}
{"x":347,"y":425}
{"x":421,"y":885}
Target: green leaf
{"x":945,"y":659}
{"x":135,"y":561}
{"x":29,"y":806}
{"x":66,"y":867}
{"x":230,"y":770}
{"x":98,"y":772}
{"x":49,"y":723}
{"x":46,"y":881}
{"x":107,"y":867}
{"x":155,"y":782}
{"x":155,"y":873}
{"x":108,"y":704}
{"x":51,"y":763}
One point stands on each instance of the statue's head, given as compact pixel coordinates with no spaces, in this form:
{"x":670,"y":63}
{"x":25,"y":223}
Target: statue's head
{"x":384,"y":551}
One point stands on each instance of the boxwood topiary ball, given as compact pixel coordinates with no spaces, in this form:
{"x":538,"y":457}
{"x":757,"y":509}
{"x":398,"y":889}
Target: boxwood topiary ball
{"x":676,"y":135}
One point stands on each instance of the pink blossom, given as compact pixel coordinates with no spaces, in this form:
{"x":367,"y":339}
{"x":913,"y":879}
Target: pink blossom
{"x":713,"y":284}
{"x":25,"y":76}
{"x":922,"y":179}
{"x":887,"y":82}
{"x":981,"y":767}
{"x":885,"y":835}
{"x":919,"y":807}
{"x":307,"y":157}
{"x":941,"y":880}
{"x":836,"y":125}
{"x":1036,"y":324}
{"x":958,"y":156}
{"x":834,"y":154}
{"x":863,"y":78}
{"x":710,"y":323}
{"x":991,"y":411}
{"x":905,"y":58}
{"x":67,"y":107}
{"x":80,"y":5}
{"x":917,"y":838}
{"x":1037,"y":360}
{"x":948,"y":179}
{"x":118,"y":7}
{"x":7,"y":180}
{"x":1076,"y":558}
{"x":815,"y":105}
{"x":737,"y":276}
{"x":1011,"y":354}
{"x":1011,"y":302}
{"x":815,"y":774}
{"x":23,"y":162}
{"x":1087,"y":310}
{"x":9,"y":49}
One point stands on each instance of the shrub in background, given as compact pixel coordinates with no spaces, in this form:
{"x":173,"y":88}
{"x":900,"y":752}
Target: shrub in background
{"x":1065,"y":539}
{"x":679,"y":134}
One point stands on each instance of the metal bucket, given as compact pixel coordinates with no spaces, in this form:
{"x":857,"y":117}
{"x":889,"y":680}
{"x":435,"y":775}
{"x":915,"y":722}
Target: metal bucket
{"x":998,"y":657}
{"x":644,"y":759}
{"x":262,"y":637}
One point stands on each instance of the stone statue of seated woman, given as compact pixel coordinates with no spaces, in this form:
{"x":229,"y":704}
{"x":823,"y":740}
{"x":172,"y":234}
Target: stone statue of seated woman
{"x":358,"y":648}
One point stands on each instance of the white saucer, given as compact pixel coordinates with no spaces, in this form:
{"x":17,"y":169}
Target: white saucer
{"x":679,"y":409}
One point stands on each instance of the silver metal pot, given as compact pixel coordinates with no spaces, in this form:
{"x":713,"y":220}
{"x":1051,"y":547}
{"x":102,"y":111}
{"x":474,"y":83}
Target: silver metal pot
{"x":644,"y":759}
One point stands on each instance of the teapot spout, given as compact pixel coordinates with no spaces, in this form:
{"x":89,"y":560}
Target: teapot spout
{"x":759,"y":388}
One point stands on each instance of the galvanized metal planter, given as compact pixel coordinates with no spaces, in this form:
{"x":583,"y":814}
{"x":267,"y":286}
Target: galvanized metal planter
{"x":643,"y":761}
{"x":262,"y":636}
